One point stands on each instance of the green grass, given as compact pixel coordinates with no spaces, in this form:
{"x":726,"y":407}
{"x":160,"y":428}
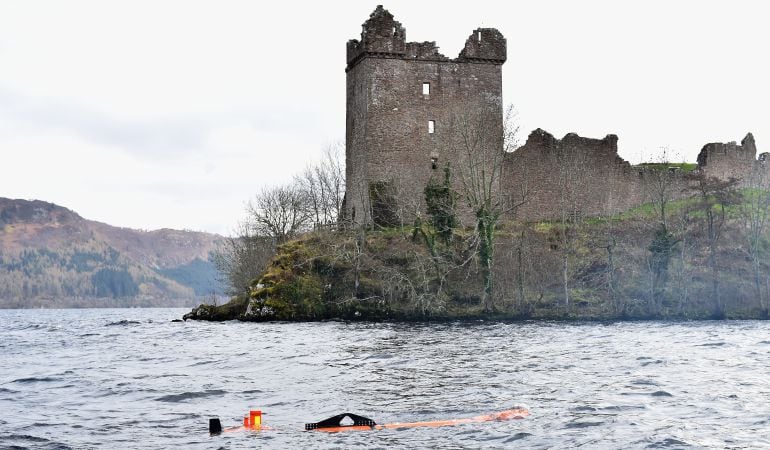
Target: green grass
{"x":683,"y":166}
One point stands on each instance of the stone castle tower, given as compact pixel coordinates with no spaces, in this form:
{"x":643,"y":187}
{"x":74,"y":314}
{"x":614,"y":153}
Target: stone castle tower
{"x":401,"y":98}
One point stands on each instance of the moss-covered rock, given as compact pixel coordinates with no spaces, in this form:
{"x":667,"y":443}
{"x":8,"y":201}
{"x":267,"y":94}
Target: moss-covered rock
{"x":290,"y":288}
{"x":218,"y":313}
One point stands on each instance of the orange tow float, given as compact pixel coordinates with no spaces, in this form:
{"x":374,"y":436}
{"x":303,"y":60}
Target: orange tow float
{"x":360,"y":423}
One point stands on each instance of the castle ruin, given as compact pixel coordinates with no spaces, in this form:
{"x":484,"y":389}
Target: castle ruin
{"x":403,"y":100}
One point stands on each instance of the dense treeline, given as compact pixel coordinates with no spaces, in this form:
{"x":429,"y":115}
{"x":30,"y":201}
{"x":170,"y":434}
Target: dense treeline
{"x":200,"y":275}
{"x":44,"y":272}
{"x":95,"y":274}
{"x":110,"y":282}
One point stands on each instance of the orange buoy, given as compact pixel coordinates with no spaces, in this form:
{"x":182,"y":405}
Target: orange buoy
{"x":255,"y":418}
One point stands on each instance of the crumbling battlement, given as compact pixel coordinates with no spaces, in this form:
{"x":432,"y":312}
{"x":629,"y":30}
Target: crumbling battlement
{"x":424,"y":50}
{"x":484,"y":44}
{"x":728,"y":160}
{"x":383,"y":37}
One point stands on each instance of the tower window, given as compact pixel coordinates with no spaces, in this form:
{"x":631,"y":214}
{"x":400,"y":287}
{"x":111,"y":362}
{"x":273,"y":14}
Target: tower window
{"x":433,"y":162}
{"x":478,"y":34}
{"x":431,"y":126}
{"x":426,"y":89}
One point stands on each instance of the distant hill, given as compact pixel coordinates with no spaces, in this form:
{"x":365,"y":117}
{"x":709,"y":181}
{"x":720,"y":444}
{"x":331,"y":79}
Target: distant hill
{"x":52,"y":257}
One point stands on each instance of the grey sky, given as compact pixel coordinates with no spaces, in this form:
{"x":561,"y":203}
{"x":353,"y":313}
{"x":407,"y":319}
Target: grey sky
{"x":155,"y":114}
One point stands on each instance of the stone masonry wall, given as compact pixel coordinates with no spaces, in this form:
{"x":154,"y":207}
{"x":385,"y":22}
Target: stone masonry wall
{"x":575,"y":176}
{"x":388,"y":137}
{"x":584,"y":177}
{"x":728,"y":160}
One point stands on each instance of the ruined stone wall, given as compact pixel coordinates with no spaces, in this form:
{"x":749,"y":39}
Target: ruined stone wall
{"x":575,"y":176}
{"x":390,"y":119}
{"x":583,"y":177}
{"x":728,"y":160}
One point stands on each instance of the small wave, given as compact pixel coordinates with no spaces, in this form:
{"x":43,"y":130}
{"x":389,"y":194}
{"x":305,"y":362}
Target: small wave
{"x":517,"y":437}
{"x":24,"y":441}
{"x":380,"y":356}
{"x":668,"y":442}
{"x":271,"y":405}
{"x":35,"y":380}
{"x":44,"y":424}
{"x":647,"y":363}
{"x":202,"y":363}
{"x":620,"y":408}
{"x":661,"y":394}
{"x":161,"y":375}
{"x":176,"y":398}
{"x":123,"y":323}
{"x":26,"y":437}
{"x":583,"y":424}
{"x":712,"y":344}
{"x":584,"y":408}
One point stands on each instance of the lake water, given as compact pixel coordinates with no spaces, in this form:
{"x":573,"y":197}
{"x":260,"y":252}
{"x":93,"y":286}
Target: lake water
{"x":131,"y":379}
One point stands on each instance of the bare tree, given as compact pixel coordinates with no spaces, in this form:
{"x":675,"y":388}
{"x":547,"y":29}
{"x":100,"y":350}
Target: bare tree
{"x":242,"y":257}
{"x":353,"y":251}
{"x":570,"y":163}
{"x":754,"y":211}
{"x":661,"y":181}
{"x":606,"y":238}
{"x":323,"y":187}
{"x":683,"y":272}
{"x":713,"y":197}
{"x":279,"y":212}
{"x":479,"y":149}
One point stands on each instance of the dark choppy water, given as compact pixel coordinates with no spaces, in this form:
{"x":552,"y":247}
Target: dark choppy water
{"x":130,"y":379}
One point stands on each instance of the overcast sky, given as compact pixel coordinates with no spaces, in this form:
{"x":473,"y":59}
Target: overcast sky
{"x":152,"y":114}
